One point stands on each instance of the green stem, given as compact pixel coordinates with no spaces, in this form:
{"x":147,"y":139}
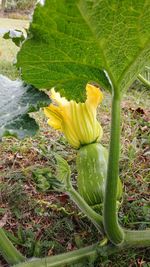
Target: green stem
{"x":8,"y":251}
{"x":86,"y":209}
{"x":117,"y":235}
{"x":138,"y":238}
{"x":112,"y":228}
{"x":96,"y":219}
{"x":143,"y":80}
{"x":68,"y":258}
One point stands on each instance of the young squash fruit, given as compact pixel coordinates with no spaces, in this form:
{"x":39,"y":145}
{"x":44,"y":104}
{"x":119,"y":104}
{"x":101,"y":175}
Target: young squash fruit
{"x":92,"y":172}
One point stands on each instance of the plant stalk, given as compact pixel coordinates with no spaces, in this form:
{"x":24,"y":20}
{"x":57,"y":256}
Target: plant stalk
{"x":65,"y":259}
{"x":96,"y":218}
{"x":8,"y":251}
{"x":138,"y":238}
{"x":143,"y":80}
{"x":68,"y":258}
{"x":83,"y":254}
{"x":112,"y":228}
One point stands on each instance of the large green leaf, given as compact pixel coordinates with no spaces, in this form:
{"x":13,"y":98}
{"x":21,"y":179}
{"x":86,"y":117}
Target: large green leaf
{"x":72,"y":42}
{"x":16,"y":100}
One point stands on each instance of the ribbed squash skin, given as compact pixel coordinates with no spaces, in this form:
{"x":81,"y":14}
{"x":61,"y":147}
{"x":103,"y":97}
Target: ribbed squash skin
{"x":92,"y":171}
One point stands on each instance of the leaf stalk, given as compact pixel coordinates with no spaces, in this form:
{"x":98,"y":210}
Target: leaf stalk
{"x":111,"y":225}
{"x":8,"y":251}
{"x":96,"y":218}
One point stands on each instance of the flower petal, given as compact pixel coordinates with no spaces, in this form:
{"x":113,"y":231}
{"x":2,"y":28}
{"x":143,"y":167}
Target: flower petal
{"x":76,"y":120}
{"x":55,"y":117}
{"x":57,"y":97}
{"x":94,"y":95}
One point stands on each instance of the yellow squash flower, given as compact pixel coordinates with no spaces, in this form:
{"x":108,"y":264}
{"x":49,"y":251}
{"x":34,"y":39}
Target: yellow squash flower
{"x":76,"y":120}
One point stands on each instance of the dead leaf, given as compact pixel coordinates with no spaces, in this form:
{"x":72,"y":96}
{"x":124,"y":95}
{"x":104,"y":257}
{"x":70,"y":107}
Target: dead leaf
{"x":3,"y":220}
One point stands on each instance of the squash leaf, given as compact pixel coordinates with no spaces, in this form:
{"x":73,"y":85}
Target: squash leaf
{"x":17,"y":99}
{"x":72,"y":42}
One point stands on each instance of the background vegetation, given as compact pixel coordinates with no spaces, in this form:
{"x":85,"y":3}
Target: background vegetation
{"x":17,"y":4}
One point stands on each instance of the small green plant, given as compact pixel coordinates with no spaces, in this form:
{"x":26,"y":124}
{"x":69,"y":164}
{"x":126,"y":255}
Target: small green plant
{"x":44,"y":180}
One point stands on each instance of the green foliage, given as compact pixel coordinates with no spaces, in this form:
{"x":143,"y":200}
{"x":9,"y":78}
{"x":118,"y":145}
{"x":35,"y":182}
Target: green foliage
{"x":82,"y":41}
{"x":19,"y":238}
{"x":17,"y":100}
{"x":44,"y":180}
{"x":63,"y":171}
{"x":17,"y":36}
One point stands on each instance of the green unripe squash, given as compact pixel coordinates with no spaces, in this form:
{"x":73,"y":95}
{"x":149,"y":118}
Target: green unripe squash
{"x":92,"y":172}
